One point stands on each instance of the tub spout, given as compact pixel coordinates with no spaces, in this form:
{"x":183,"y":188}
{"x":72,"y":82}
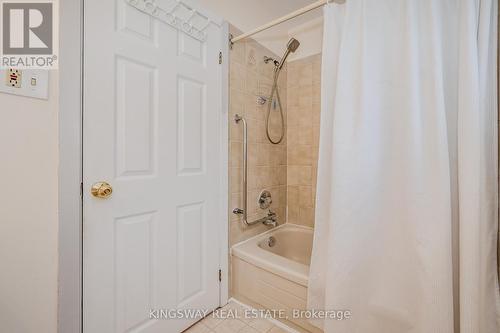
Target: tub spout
{"x":271,"y":219}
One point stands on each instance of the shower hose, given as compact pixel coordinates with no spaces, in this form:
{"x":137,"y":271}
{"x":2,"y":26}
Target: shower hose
{"x":275,"y":90}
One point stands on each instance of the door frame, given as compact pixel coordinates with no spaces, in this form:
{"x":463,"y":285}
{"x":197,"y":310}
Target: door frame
{"x":70,"y":175}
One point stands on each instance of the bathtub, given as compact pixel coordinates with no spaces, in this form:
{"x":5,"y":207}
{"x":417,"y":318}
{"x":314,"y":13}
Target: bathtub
{"x":270,"y":271}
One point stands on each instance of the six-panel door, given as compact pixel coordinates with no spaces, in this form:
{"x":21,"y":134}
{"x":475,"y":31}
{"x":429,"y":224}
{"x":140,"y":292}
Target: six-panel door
{"x":152,"y":108}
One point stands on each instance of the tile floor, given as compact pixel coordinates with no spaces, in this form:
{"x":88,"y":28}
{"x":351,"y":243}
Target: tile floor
{"x":213,"y":324}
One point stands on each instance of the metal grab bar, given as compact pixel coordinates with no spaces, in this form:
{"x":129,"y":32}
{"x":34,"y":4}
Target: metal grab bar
{"x":243,"y":211}
{"x":271,"y":218}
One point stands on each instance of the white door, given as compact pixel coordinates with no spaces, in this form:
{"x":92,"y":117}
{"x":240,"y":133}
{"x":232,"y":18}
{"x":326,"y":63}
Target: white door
{"x":152,"y":123}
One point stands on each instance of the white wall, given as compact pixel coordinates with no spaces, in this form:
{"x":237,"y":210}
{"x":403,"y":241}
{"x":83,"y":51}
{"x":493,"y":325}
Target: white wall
{"x":70,"y":237}
{"x":310,"y":35}
{"x":28,"y":212}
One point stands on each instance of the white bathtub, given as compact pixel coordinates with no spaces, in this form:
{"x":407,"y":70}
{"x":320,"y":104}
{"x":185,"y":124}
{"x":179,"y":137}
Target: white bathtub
{"x":274,"y":277}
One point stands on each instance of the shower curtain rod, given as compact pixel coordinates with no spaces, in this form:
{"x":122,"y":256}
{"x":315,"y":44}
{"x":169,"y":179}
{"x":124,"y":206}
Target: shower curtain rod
{"x":287,"y":17}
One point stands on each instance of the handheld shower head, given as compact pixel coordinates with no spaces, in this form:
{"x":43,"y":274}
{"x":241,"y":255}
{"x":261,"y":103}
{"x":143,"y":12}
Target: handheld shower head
{"x":291,"y":47}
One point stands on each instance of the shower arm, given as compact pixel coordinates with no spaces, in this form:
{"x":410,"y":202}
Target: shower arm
{"x":244,"y":211}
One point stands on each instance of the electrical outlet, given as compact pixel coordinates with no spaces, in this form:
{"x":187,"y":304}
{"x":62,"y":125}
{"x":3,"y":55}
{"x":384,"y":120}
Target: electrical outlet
{"x":13,"y":78}
{"x":27,"y":82}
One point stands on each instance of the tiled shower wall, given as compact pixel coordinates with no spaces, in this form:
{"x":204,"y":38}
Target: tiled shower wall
{"x":250,"y":78}
{"x":304,"y":88}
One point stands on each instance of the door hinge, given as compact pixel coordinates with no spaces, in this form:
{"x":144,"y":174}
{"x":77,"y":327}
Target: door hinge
{"x":81,"y":190}
{"x":220,"y":58}
{"x":220,"y":275}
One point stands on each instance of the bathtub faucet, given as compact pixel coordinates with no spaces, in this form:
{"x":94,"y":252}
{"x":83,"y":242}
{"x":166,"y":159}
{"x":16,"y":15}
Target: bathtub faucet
{"x":271,"y":219}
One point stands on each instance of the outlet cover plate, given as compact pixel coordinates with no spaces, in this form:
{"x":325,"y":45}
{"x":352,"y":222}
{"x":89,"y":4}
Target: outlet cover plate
{"x":13,"y":78}
{"x":34,"y":83}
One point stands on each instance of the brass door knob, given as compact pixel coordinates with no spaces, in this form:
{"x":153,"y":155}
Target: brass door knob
{"x":101,"y":190}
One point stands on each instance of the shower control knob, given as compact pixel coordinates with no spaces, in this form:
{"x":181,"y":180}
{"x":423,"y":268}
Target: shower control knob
{"x":265,"y":199}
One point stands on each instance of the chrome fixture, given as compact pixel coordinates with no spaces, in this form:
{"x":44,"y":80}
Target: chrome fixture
{"x":244,"y":211}
{"x":291,"y":47}
{"x":271,"y":241}
{"x":265,"y":199}
{"x":268,"y":59}
{"x":261,"y":100}
{"x":271,"y":219}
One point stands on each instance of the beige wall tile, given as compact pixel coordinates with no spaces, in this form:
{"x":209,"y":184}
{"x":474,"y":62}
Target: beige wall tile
{"x":236,"y":153}
{"x":315,"y":133}
{"x":289,"y":169}
{"x":237,"y":100}
{"x":305,"y":72}
{"x":254,"y":155}
{"x":252,"y":82}
{"x":238,"y":53}
{"x":316,"y":93}
{"x":304,"y":99}
{"x":252,"y":109}
{"x":283,"y":175}
{"x":316,"y":69}
{"x":251,"y":55}
{"x":292,"y":135}
{"x":293,"y":74}
{"x":237,"y":76}
{"x":293,"y":96}
{"x":293,"y":214}
{"x":254,"y":130}
{"x":235,"y":179}
{"x":293,"y":195}
{"x":235,"y":132}
{"x":252,"y":177}
{"x":305,"y":197}
{"x":316,"y":115}
{"x":265,"y":86}
{"x":250,"y":77}
{"x":300,"y":155}
{"x":306,"y":216}
{"x":305,"y":134}
{"x":299,"y":175}
{"x":293,"y":116}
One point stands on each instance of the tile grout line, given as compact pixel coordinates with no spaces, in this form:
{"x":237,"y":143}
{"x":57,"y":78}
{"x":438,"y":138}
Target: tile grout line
{"x":272,"y":320}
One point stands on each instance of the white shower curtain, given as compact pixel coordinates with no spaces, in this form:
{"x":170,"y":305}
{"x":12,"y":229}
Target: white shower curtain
{"x":406,"y":210}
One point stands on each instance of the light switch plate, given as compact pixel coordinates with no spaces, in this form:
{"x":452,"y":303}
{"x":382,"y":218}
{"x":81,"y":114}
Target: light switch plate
{"x":26,"y":82}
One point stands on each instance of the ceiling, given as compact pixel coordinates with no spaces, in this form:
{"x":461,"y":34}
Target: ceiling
{"x":249,"y":14}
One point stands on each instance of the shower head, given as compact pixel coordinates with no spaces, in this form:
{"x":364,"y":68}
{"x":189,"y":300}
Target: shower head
{"x":274,"y":61}
{"x":291,"y":47}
